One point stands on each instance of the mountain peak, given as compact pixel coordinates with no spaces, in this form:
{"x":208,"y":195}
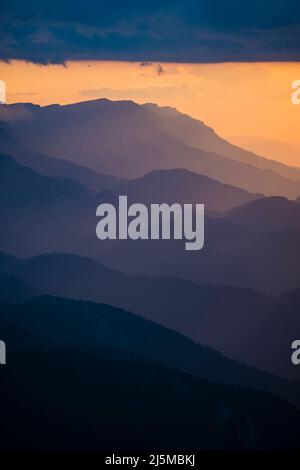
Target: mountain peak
{"x":270,"y":213}
{"x":127,"y":140}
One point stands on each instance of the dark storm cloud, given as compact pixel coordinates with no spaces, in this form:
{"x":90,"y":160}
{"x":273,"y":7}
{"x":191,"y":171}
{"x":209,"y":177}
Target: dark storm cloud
{"x":150,"y":31}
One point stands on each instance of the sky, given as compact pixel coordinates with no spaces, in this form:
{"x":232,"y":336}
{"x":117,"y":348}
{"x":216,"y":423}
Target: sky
{"x":228,"y":63}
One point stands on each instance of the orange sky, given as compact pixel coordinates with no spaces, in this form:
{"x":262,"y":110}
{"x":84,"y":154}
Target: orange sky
{"x":243,"y":101}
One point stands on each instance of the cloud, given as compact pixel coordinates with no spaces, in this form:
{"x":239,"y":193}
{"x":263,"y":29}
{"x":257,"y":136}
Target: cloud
{"x":150,"y":32}
{"x":146,"y":64}
{"x":148,"y":94}
{"x":23,"y":93}
{"x":158,"y":68}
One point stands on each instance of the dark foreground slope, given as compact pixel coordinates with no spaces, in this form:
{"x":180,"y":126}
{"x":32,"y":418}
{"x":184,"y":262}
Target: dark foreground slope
{"x":86,"y":326}
{"x":75,"y":400}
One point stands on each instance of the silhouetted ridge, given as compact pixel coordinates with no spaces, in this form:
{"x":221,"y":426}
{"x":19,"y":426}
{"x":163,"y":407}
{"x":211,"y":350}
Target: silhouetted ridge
{"x":127,"y":140}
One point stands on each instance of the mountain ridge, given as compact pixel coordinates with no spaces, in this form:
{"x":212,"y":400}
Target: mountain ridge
{"x":87,"y":326}
{"x":110,"y":137}
{"x":52,"y":167}
{"x":209,"y":314}
{"x":190,"y":129}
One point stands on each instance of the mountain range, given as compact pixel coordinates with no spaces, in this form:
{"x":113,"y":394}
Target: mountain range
{"x":127,"y":140}
{"x":109,"y":338}
{"x":262,"y":234}
{"x":123,"y":405}
{"x":62,"y":217}
{"x":196,"y":134}
{"x":47,"y":332}
{"x":210,"y":315}
{"x":270,"y":213}
{"x":47,"y":166}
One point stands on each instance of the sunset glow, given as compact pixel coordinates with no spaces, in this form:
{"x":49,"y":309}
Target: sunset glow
{"x":237,"y":99}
